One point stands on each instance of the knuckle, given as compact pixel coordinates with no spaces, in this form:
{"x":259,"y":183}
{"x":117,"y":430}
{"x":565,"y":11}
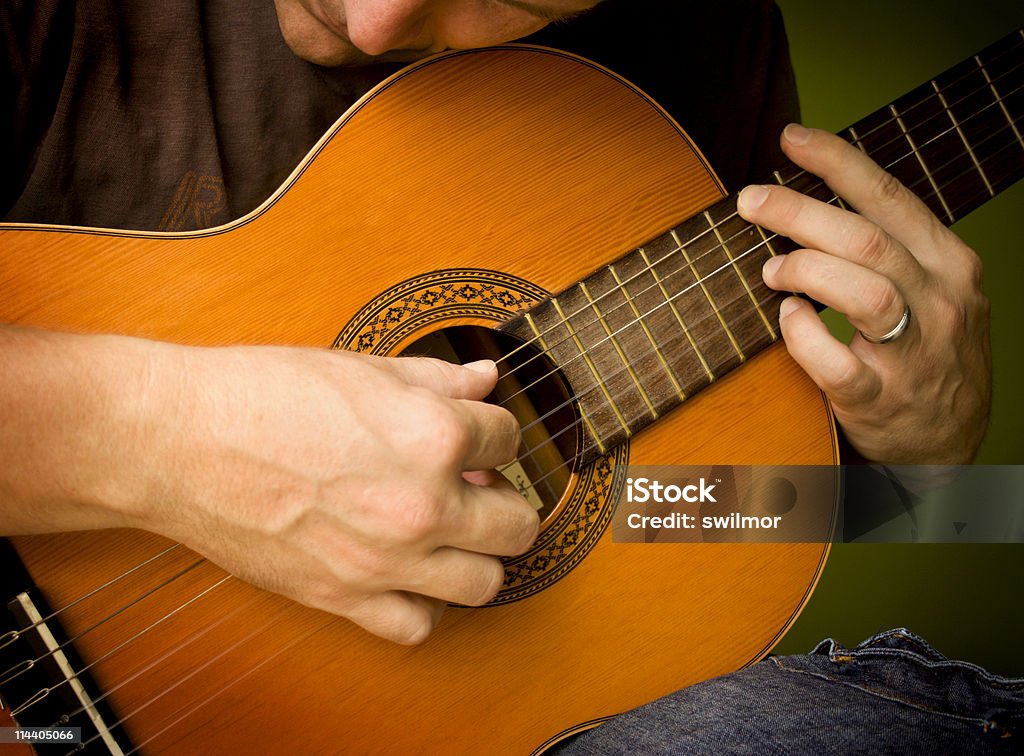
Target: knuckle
{"x":794,"y":264}
{"x":789,"y":206}
{"x":512,"y":434}
{"x":881,"y":299}
{"x":845,"y":379}
{"x":871,"y":246}
{"x":527,"y":530}
{"x":451,"y":437}
{"x":887,"y":188}
{"x":972,"y":269}
{"x":419,"y":518}
{"x":486,"y":583}
{"x":414,"y":630}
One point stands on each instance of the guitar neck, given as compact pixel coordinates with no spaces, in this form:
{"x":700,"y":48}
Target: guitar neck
{"x":641,"y":335}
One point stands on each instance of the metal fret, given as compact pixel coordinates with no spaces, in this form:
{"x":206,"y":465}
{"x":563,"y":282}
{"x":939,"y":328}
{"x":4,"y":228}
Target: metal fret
{"x":618,"y":348}
{"x":672,"y":306}
{"x":999,"y":99}
{"x":592,"y":366}
{"x":920,"y":160}
{"x":963,"y":137}
{"x":650,"y":337}
{"x":767,"y":241}
{"x":739,"y":274}
{"x":700,"y":281}
{"x":579,"y":403}
{"x":856,"y":140}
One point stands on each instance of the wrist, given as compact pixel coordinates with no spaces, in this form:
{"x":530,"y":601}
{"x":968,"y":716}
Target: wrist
{"x":78,"y":413}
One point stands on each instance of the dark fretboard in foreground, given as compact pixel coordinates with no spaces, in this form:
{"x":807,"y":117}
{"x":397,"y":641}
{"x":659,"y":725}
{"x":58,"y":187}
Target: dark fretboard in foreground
{"x":639,"y":336}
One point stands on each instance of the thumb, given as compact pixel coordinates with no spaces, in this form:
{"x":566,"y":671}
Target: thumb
{"x":473,"y":380}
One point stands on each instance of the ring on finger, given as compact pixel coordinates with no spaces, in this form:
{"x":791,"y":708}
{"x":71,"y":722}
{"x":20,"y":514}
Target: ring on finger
{"x":898,"y":330}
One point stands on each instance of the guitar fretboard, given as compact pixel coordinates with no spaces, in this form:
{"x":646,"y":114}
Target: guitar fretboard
{"x":641,"y":335}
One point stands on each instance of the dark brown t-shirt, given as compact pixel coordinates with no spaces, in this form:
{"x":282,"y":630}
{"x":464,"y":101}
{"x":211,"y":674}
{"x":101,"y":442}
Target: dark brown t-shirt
{"x":181,"y":114}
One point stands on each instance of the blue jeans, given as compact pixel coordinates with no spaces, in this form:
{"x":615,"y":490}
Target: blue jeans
{"x":892,"y":694}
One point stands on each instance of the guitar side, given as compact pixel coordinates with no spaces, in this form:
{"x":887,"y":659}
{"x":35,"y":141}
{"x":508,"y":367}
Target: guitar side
{"x":518,"y":160}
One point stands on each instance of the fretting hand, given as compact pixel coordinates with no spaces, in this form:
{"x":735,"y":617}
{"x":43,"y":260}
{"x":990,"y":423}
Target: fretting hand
{"x":924,"y":396}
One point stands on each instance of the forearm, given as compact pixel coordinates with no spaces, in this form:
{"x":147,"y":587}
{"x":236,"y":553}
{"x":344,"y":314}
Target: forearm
{"x":71,"y":438}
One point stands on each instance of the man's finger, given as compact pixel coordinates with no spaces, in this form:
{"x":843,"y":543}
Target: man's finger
{"x":494,"y":520}
{"x":397,"y":616}
{"x":831,"y":229}
{"x":873,"y":192}
{"x":832,"y":365}
{"x":458,"y":576}
{"x":474,"y":380}
{"x":870,"y":301}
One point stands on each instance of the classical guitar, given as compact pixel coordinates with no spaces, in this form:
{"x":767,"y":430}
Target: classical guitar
{"x":144,"y":645}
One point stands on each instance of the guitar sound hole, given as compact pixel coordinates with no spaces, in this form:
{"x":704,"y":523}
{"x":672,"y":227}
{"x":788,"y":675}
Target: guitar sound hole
{"x":533,"y":390}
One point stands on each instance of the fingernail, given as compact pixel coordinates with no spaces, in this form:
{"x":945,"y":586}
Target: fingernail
{"x":480,"y":366}
{"x":752,"y":197}
{"x":789,"y":305}
{"x":797,"y":134}
{"x":770,"y":268}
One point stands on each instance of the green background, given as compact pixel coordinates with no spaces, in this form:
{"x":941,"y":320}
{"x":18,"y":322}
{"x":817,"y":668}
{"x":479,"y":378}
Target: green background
{"x":967,"y":600}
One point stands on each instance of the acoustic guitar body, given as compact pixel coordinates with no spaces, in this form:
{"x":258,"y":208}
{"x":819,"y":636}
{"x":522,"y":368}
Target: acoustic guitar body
{"x":460,"y":191}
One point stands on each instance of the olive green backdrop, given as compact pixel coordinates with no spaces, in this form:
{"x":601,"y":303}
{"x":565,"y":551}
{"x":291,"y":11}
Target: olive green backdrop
{"x":968,"y":601}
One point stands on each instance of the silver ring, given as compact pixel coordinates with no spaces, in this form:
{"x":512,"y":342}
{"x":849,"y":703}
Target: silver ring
{"x":898,"y":330}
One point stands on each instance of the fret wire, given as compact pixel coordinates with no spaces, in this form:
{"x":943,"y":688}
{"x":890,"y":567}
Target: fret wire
{"x":671,"y":305}
{"x":856,"y":139}
{"x":1002,"y":105}
{"x":739,"y":274}
{"x":801,"y":173}
{"x":650,"y":337}
{"x":707,"y":294}
{"x":583,"y":413}
{"x":1012,"y":143}
{"x":590,"y":364}
{"x":920,"y":160}
{"x":963,"y":138}
{"x":718,"y":270}
{"x":618,"y":348}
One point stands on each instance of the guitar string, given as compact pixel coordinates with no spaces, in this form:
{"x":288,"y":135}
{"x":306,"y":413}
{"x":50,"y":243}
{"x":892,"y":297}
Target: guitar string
{"x":713,"y":227}
{"x":677,"y":338}
{"x":690,"y":241}
{"x":43,"y":693}
{"x":285,"y":647}
{"x":187,"y":713}
{"x":727,"y":266}
{"x":11,"y":636}
{"x":192,"y":638}
{"x":7,"y":676}
{"x":1011,"y":144}
{"x":192,"y":673}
